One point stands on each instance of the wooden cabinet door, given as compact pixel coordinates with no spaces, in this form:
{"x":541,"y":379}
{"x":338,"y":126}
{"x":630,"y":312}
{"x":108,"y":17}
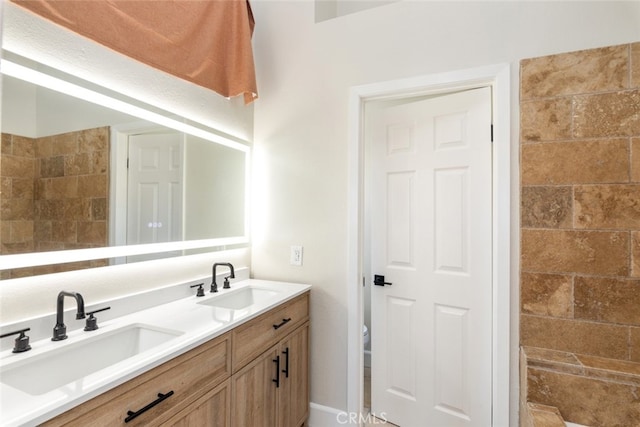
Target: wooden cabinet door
{"x":213,"y":409}
{"x":254,"y":392}
{"x":293,"y":396}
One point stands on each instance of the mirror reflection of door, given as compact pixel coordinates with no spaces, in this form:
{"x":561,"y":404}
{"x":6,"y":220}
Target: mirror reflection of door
{"x":155,"y":188}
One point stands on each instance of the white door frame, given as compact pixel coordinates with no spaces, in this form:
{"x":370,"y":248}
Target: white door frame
{"x":498,"y":77}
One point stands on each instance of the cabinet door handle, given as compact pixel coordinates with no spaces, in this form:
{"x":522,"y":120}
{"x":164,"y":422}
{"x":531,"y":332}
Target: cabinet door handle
{"x":281,"y":324}
{"x":277,"y":362}
{"x":131,"y":414}
{"x":286,"y":363}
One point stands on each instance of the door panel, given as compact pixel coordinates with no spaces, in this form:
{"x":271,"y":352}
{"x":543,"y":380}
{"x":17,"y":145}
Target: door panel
{"x":155,"y":188}
{"x":431,"y":239}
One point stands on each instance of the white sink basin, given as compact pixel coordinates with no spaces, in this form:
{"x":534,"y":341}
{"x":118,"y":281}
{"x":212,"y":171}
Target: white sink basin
{"x":240,"y":299}
{"x":59,"y":367}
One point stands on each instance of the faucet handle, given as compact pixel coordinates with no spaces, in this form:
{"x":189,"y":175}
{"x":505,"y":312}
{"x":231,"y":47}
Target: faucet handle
{"x":200,"y":292}
{"x":22,"y":342}
{"x":226,"y":283}
{"x":92,"y":322}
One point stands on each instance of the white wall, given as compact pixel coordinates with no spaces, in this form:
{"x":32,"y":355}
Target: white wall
{"x":305,"y":71}
{"x":40,"y":40}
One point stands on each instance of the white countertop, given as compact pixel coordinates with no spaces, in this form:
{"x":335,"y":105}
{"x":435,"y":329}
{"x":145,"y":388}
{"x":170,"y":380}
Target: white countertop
{"x":192,"y":322}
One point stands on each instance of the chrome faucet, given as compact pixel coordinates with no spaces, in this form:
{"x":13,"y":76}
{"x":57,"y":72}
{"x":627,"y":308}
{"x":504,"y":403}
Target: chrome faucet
{"x":60,"y":330}
{"x":214,"y":285}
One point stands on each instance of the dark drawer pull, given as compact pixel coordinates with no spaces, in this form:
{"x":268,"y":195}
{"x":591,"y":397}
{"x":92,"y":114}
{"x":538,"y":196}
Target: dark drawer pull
{"x":281,"y":324}
{"x":131,"y":415}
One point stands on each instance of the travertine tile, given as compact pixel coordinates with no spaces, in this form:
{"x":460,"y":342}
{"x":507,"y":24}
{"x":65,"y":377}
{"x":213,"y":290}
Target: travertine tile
{"x":607,"y":299}
{"x":635,"y":253}
{"x":607,"y":114}
{"x":44,"y":147}
{"x":546,"y":120}
{"x":42,"y":188}
{"x":574,"y":336}
{"x":6,"y":146}
{"x":534,"y":354}
{"x":586,"y":401}
{"x":6,"y":184}
{"x":635,"y":159}
{"x":634,"y":344}
{"x":78,"y":209}
{"x":64,"y":144}
{"x":525,"y":419}
{"x":99,"y":209}
{"x":63,"y":187}
{"x":566,"y":251}
{"x":22,"y":188}
{"x":93,"y":186}
{"x":546,"y":294}
{"x":94,"y":232}
{"x":615,"y":206}
{"x":49,"y":209}
{"x":93,"y":140}
{"x":16,"y":166}
{"x":43,"y":230}
{"x":17,"y":248}
{"x":64,"y":231}
{"x":51,"y":167}
{"x":615,"y":370}
{"x":78,"y":164}
{"x":16,"y":209}
{"x":49,"y":246}
{"x":635,"y":65}
{"x":545,"y":416}
{"x":99,"y":162}
{"x":23,"y":146}
{"x":554,"y":359}
{"x":21,"y":231}
{"x":546,"y":207}
{"x":588,"y":162}
{"x":586,"y":71}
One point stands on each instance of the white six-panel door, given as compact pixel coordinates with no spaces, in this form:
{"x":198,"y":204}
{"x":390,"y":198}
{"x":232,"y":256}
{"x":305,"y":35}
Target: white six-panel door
{"x":431,"y":239}
{"x":154,"y":199}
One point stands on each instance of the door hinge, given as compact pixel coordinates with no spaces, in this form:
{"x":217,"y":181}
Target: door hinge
{"x":492,"y":132}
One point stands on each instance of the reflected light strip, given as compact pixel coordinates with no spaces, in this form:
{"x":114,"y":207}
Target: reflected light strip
{"x":27,"y":74}
{"x":60,"y":257}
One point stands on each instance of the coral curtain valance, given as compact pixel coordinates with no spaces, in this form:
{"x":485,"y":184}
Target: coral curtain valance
{"x":207,"y":42}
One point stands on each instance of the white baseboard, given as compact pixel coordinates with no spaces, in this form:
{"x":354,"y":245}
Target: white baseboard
{"x":324,"y":416}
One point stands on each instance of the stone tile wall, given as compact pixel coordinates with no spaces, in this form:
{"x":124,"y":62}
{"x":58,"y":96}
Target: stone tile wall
{"x":580,"y":202}
{"x":54,"y":195}
{"x":17,"y":177}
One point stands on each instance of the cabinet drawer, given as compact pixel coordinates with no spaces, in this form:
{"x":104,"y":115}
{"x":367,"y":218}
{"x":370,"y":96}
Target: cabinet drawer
{"x":257,"y":335}
{"x":187,"y":376}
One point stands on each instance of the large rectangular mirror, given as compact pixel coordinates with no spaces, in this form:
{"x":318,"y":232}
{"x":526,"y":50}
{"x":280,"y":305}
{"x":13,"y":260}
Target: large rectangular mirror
{"x":84,"y":169}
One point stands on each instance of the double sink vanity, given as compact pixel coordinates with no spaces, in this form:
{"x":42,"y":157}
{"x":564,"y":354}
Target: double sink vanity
{"x":235,"y":357}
